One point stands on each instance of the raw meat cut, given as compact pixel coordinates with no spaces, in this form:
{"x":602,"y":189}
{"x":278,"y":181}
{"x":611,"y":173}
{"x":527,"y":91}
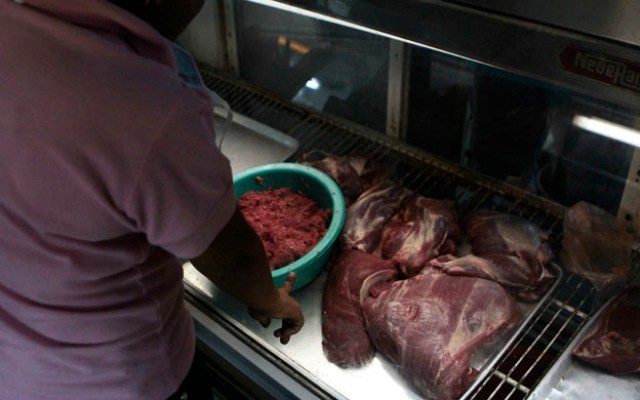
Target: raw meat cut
{"x":341,"y":170}
{"x":365,"y":218}
{"x":491,"y":232}
{"x":289,"y":224}
{"x":514,"y":246}
{"x":596,"y":245}
{"x":521,"y":273}
{"x":369,"y":169}
{"x":613,"y":343}
{"x":344,"y":338}
{"x":423,"y":229}
{"x":430,"y":325}
{"x":354,"y":173}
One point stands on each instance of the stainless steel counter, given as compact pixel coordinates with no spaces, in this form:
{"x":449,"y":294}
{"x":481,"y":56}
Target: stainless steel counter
{"x":571,"y":379}
{"x":304,"y":354}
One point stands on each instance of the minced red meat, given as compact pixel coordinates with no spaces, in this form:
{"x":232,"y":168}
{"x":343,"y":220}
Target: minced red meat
{"x":288,"y":223}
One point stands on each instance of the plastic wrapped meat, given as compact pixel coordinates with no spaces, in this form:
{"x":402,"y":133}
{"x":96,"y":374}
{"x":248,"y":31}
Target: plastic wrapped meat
{"x":596,"y":246}
{"x":514,"y":272}
{"x":491,"y":232}
{"x":430,"y":325}
{"x":423,"y":229}
{"x":613,"y":343}
{"x":344,"y":338}
{"x":365,"y":218}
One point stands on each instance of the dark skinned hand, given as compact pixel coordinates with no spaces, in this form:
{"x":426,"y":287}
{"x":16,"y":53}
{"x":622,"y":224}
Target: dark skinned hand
{"x":286,"y":308}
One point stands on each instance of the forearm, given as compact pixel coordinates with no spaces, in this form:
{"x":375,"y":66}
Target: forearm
{"x":236,"y":263}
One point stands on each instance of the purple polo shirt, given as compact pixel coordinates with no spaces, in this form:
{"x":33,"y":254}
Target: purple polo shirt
{"x":108,"y":173}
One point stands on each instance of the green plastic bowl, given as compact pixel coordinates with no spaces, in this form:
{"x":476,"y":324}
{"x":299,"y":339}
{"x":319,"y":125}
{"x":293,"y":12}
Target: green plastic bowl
{"x":314,"y":184}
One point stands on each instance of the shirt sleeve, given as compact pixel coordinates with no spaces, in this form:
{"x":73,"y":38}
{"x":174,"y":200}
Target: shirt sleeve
{"x":184,"y":194}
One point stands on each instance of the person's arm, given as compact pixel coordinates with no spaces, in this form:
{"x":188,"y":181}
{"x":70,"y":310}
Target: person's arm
{"x":236,"y":262}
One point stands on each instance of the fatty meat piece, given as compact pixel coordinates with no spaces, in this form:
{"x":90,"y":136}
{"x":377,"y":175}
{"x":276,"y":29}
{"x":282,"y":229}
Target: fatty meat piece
{"x":491,"y":232}
{"x":365,"y":218}
{"x":430,"y":325}
{"x":524,"y":275}
{"x":423,"y":229}
{"x":344,"y":337}
{"x":613,"y":343}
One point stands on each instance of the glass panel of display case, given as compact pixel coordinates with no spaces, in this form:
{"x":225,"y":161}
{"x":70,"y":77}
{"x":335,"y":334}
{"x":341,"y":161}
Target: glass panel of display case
{"x":326,"y":67}
{"x":532,"y":134}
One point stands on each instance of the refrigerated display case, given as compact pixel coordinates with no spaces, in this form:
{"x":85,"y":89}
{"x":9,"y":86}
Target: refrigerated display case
{"x":520,"y":107}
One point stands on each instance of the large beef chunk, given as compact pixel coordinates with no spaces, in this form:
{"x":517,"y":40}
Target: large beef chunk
{"x":354,"y":173}
{"x":491,"y":232}
{"x":366,"y":217}
{"x":430,"y":325}
{"x":613,"y":343}
{"x":344,"y":338}
{"x":423,"y":229}
{"x":341,"y":170}
{"x":516,"y":251}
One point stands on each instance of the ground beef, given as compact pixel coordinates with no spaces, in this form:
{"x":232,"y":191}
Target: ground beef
{"x":288,"y":223}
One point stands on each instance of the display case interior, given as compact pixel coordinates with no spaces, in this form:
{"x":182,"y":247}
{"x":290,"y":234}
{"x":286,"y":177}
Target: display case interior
{"x":460,"y":102}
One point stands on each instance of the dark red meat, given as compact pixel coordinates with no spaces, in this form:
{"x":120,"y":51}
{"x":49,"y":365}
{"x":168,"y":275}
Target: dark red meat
{"x":343,"y":173}
{"x":344,"y":338}
{"x":365,"y":218}
{"x":354,"y":173}
{"x":369,"y":169}
{"x":289,"y":224}
{"x":423,"y":229}
{"x":613,"y":343}
{"x":513,"y":246}
{"x":491,"y":232}
{"x":430,"y":325}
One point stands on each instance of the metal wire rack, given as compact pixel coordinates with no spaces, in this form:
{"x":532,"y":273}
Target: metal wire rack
{"x":565,"y":311}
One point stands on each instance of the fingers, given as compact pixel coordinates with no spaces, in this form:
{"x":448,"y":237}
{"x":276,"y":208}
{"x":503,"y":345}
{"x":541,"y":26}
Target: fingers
{"x":289,"y":282}
{"x":292,"y":323}
{"x":289,"y":328}
{"x":289,"y":311}
{"x":263,"y":319}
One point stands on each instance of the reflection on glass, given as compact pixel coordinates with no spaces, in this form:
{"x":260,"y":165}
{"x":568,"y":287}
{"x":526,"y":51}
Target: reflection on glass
{"x":608,"y":129}
{"x":322,"y":66}
{"x":520,"y":130}
{"x":499,"y":123}
{"x":313,"y":84}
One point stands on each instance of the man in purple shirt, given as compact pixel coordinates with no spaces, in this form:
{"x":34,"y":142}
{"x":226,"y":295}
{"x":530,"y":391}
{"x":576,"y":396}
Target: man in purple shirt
{"x":108,"y":177}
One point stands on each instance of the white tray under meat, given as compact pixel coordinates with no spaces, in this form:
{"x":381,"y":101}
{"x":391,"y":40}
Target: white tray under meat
{"x":377,"y":380}
{"x":572,"y":379}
